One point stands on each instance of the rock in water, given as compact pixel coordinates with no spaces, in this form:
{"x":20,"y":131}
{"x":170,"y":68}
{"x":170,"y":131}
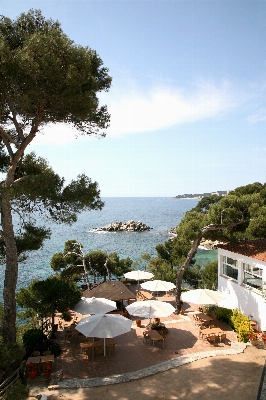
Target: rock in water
{"x":130,"y":226}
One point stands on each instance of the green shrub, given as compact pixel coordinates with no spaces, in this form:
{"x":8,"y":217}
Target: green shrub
{"x":33,"y":339}
{"x":55,"y":349}
{"x":209,"y":309}
{"x":18,"y":391}
{"x":225,"y":315}
{"x":10,"y":358}
{"x":66,"y":316}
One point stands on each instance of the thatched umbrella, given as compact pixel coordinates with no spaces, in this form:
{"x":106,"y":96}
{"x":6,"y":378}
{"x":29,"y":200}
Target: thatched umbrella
{"x":112,"y":290}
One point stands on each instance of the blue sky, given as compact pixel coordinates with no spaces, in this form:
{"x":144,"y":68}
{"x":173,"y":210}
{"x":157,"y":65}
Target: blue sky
{"x":187,"y":101}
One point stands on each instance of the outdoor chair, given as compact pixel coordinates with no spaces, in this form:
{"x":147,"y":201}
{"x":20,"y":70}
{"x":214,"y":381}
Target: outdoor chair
{"x":98,"y":350}
{"x":89,"y":352}
{"x":201,"y":336}
{"x":143,"y":295}
{"x":75,"y":333}
{"x":68,"y":333}
{"x":223,"y":337}
{"x":211,"y":339}
{"x":145,"y":337}
{"x":162,"y":332}
{"x":111,"y":348}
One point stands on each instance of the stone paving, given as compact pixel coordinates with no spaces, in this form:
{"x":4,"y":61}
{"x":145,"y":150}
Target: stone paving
{"x":133,"y":354}
{"x":135,"y":359}
{"x":235,"y":348}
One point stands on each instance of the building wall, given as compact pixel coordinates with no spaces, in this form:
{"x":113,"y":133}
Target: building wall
{"x":248,"y":300}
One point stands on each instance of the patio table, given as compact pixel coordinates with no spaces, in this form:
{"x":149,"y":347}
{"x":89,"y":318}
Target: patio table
{"x":96,"y":343}
{"x":154,"y":336}
{"x":48,"y":358}
{"x":211,"y":331}
{"x":204,"y":317}
{"x":33,"y":360}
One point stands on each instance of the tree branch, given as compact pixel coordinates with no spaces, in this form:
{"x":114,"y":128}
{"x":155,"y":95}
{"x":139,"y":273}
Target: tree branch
{"x":7,"y":140}
{"x":15,"y":121}
{"x":217,"y":227}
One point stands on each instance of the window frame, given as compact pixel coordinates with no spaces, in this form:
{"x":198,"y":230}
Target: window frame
{"x":233,"y":266}
{"x":250,"y":271}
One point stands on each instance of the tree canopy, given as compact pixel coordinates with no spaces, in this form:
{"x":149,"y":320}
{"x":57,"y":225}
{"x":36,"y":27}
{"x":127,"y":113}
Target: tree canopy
{"x":72,"y":263}
{"x":44,"y":78}
{"x":48,"y":296}
{"x":239,"y":215}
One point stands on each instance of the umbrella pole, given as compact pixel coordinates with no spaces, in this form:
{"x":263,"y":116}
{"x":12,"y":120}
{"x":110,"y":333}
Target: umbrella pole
{"x":104,"y":347}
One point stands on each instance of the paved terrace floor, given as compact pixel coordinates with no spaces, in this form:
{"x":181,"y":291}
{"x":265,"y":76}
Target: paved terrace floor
{"x":132,"y":354}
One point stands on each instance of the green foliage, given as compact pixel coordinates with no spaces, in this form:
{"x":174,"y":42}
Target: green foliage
{"x":55,"y":349}
{"x":11,"y":356}
{"x":97,"y":263}
{"x":45,"y":72}
{"x":192,"y":276}
{"x":162,"y":270}
{"x":1,"y":313}
{"x":37,"y":191}
{"x":209,"y":276}
{"x":44,"y":78}
{"x":191,"y":225}
{"x":241,"y":325}
{"x":31,"y":338}
{"x":34,"y":339}
{"x":18,"y":391}
{"x":225,"y":315}
{"x":142,"y":262}
{"x":46,"y":297}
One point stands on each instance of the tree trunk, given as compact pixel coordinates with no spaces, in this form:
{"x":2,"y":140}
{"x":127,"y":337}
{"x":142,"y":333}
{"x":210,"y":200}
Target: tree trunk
{"x":11,"y":272}
{"x":180,"y":274}
{"x":53,"y":327}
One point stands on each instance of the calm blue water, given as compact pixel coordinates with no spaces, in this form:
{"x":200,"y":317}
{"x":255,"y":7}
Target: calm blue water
{"x":161,"y":214}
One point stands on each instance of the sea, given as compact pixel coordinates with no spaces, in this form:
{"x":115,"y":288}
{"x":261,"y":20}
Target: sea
{"x":160,"y":213}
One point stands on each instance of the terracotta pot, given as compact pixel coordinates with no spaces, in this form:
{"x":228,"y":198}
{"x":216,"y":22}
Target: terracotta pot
{"x":32,"y":374}
{"x":182,"y":312}
{"x":254,"y":342}
{"x":138,"y":322}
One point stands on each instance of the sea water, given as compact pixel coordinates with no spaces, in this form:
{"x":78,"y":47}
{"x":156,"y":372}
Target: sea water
{"x":161,"y":214}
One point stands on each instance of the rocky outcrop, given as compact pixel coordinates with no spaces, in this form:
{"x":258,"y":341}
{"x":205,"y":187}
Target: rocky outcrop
{"x":209,"y":244}
{"x":130,"y":226}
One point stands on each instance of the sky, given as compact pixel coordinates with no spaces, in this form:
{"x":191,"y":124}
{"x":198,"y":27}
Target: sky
{"x":187,"y":102}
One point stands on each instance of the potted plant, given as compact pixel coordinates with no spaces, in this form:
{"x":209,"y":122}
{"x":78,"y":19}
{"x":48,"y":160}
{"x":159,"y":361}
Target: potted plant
{"x":263,"y":338}
{"x":47,"y":369}
{"x":253,"y":338}
{"x":32,"y":370}
{"x":138,"y":322}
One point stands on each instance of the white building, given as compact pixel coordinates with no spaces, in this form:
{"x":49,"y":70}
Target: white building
{"x":242,"y":278}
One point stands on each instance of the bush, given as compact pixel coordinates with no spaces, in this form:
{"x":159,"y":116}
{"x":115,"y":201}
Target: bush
{"x":241,"y":325}
{"x":18,"y":391}
{"x":33,"y":339}
{"x":225,"y":315}
{"x":10,"y":358}
{"x":55,"y":349}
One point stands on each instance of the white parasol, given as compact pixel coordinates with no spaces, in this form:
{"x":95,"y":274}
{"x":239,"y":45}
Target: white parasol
{"x":158,"y":286}
{"x":104,"y":326}
{"x":94,"y":305}
{"x":202,"y":296}
{"x":150,"y":309}
{"x":137,"y":275}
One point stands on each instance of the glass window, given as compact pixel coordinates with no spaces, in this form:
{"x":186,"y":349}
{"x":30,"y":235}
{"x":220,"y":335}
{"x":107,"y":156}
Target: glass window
{"x":230,"y":268}
{"x":252,"y":276}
